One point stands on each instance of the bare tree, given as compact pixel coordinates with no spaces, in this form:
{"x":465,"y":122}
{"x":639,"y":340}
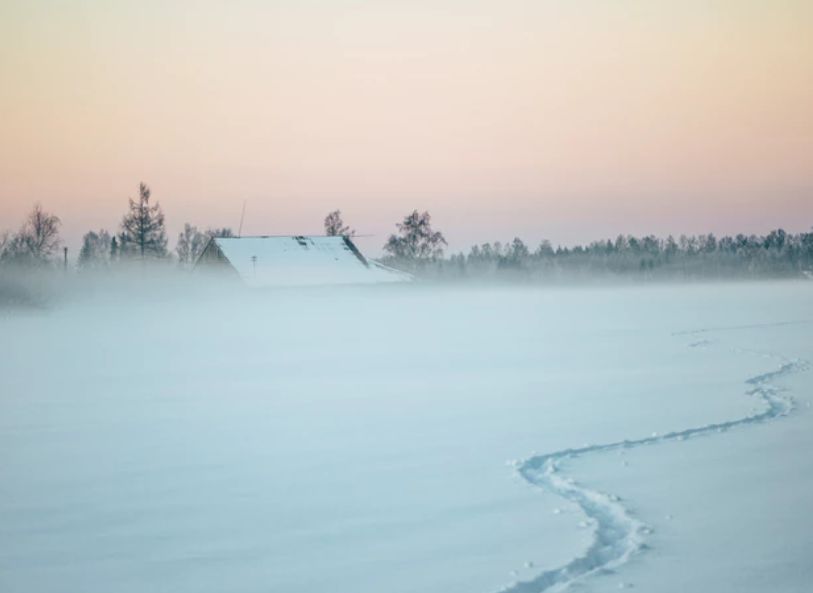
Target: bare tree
{"x":42,"y":233}
{"x":416,"y":242}
{"x":224,"y":232}
{"x":96,"y":249}
{"x":334,"y":225}
{"x":191,"y":243}
{"x":36,"y":242}
{"x":142,"y":228}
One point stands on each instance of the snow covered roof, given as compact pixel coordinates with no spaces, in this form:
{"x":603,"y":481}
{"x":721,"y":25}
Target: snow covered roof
{"x":298,"y":261}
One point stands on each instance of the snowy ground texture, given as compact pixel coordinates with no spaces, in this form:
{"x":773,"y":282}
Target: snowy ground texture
{"x":406,"y":439}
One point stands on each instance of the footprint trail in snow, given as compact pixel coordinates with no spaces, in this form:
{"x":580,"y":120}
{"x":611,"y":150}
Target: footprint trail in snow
{"x":618,"y":535}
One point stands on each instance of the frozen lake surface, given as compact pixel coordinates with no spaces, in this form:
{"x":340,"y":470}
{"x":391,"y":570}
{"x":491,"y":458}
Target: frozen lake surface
{"x":399,"y":440}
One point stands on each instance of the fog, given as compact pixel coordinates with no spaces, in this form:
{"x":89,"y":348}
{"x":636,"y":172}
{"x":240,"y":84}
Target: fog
{"x":166,"y":432}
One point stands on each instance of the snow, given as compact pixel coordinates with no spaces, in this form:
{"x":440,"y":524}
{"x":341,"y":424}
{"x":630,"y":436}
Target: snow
{"x":302,"y":261}
{"x":261,"y":442}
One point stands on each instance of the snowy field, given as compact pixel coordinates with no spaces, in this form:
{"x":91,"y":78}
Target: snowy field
{"x":410,"y":439}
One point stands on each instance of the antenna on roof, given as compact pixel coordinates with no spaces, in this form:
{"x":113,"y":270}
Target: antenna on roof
{"x":242,"y":216}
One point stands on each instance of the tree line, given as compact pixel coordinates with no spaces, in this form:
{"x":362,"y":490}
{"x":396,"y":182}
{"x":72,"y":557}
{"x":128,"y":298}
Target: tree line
{"x":142,"y":236}
{"x":777,"y":254}
{"x":419,"y":248}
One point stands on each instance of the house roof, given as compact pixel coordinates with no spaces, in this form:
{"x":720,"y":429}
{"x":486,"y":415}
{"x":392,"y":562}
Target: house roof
{"x":301,"y":261}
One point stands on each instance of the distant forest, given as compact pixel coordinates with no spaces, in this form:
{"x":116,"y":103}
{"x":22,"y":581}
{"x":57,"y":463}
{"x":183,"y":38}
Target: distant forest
{"x":775,"y":255}
{"x":419,"y":248}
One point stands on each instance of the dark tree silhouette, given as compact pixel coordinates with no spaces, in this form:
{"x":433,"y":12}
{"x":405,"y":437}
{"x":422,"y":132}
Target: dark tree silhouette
{"x":36,"y":242}
{"x":334,"y":225}
{"x":224,"y":232}
{"x":142,"y":228}
{"x":416,"y":241}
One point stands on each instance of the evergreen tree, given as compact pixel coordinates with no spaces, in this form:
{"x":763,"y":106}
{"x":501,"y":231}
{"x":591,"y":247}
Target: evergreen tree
{"x":545,"y":249}
{"x":519,"y":251}
{"x":142,"y":228}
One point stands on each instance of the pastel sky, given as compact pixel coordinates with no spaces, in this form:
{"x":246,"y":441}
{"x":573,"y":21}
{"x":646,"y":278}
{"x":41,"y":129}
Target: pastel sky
{"x":570,"y":120}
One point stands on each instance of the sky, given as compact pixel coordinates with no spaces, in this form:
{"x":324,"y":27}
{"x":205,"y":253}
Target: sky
{"x":569,"y":121}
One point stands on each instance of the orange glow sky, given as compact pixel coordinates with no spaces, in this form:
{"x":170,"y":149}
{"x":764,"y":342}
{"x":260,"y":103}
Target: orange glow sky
{"x":566,"y":120}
